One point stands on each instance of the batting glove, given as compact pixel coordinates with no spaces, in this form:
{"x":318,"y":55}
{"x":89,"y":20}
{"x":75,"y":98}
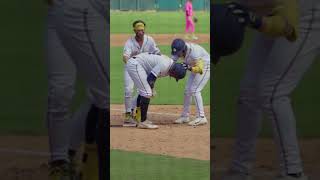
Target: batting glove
{"x":245,"y":16}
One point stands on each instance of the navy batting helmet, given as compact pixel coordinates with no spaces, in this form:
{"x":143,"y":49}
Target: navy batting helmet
{"x":226,"y":32}
{"x":177,"y":47}
{"x":178,"y":71}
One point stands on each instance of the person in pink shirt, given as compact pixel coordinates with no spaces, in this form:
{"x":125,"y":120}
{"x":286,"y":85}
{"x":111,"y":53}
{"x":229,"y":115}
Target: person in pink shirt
{"x":190,"y":25}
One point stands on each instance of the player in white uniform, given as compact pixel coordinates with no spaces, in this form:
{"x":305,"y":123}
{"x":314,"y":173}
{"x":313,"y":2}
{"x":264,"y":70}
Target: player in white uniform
{"x":144,"y":69}
{"x":287,"y":41}
{"x":135,"y":45}
{"x":197,"y":59}
{"x":76,"y":43}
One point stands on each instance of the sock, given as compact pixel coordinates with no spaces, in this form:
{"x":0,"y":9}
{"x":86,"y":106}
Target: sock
{"x":144,"y":104}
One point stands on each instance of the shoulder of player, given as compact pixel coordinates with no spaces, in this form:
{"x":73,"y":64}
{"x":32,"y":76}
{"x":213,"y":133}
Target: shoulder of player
{"x":149,"y":39}
{"x":130,"y":41}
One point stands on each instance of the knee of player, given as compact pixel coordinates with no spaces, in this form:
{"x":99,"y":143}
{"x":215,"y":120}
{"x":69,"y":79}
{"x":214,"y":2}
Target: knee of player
{"x":128,"y":92}
{"x":146,"y":95}
{"x":192,"y":92}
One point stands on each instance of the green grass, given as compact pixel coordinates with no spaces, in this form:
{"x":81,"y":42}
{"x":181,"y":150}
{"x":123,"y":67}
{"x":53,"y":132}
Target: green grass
{"x":168,"y":90}
{"x":157,"y":22}
{"x":139,"y":166}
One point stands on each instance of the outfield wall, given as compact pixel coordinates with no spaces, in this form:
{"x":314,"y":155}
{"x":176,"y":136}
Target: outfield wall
{"x":160,"y":5}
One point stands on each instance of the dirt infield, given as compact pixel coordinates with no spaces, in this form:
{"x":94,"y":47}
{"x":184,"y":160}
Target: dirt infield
{"x":25,"y":157}
{"x":173,"y":140}
{"x":266,"y":160}
{"x":30,"y":163}
{"x":117,"y":40}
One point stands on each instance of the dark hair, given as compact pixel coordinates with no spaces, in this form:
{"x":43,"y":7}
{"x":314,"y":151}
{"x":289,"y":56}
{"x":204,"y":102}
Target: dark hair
{"x":138,"y":21}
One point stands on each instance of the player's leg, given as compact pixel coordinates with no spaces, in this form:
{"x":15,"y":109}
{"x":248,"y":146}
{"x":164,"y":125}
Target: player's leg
{"x":129,"y":85}
{"x":249,"y":115}
{"x":139,"y":77}
{"x":77,"y":128}
{"x":198,"y":84}
{"x":187,"y":29}
{"x":286,"y":66}
{"x":61,"y":79}
{"x":192,"y":29}
{"x":84,"y":35}
{"x":187,"y":100}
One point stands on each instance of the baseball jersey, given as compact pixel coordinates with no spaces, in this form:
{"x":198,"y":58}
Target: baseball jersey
{"x":195,"y":53}
{"x":158,"y":65}
{"x":282,"y":16}
{"x":132,"y":47}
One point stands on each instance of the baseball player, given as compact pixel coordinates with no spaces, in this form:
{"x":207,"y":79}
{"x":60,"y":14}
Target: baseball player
{"x":190,"y":25}
{"x":286,"y":42}
{"x":135,"y":45}
{"x":197,"y":60}
{"x":76,"y":42}
{"x":144,"y":69}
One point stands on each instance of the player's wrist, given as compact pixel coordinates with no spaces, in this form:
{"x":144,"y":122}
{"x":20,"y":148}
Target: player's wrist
{"x":256,"y":21}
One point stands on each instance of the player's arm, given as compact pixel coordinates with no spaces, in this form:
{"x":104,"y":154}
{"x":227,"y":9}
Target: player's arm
{"x":154,"y":74}
{"x":151,"y":79}
{"x":282,"y":22}
{"x":197,"y":67}
{"x":154,"y":48}
{"x":127,"y":51}
{"x":125,"y":58}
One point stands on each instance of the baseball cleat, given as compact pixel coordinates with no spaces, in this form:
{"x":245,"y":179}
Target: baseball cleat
{"x":90,"y":169}
{"x":194,"y":37}
{"x":129,"y":121}
{"x":75,"y":164}
{"x":198,"y":121}
{"x":60,"y":170}
{"x":297,"y":177}
{"x":127,"y":117}
{"x":147,"y":125}
{"x":182,"y":120}
{"x":235,"y":175}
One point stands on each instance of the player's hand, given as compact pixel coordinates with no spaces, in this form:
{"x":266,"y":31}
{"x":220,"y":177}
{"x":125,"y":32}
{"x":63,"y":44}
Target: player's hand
{"x":245,"y":16}
{"x":186,"y":66}
{"x":154,"y":93}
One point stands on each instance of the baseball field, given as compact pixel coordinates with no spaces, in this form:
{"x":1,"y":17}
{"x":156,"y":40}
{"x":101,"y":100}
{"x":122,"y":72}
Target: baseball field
{"x":172,"y":151}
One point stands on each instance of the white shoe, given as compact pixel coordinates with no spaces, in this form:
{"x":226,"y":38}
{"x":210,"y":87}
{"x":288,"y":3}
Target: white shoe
{"x":194,"y":37}
{"x":198,"y":121}
{"x":148,"y":122}
{"x":233,"y":175}
{"x":182,"y":120}
{"x":302,"y":177}
{"x":147,"y":125}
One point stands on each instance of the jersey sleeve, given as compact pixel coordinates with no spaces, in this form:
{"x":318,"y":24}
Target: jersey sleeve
{"x":283,"y":21}
{"x":156,"y":71}
{"x":195,"y":55}
{"x":153,"y":47}
{"x":127,"y":50}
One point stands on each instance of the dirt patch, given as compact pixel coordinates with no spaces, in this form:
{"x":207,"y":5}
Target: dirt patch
{"x":173,"y":140}
{"x":117,"y":40}
{"x":266,"y":165}
{"x":26,"y":157}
